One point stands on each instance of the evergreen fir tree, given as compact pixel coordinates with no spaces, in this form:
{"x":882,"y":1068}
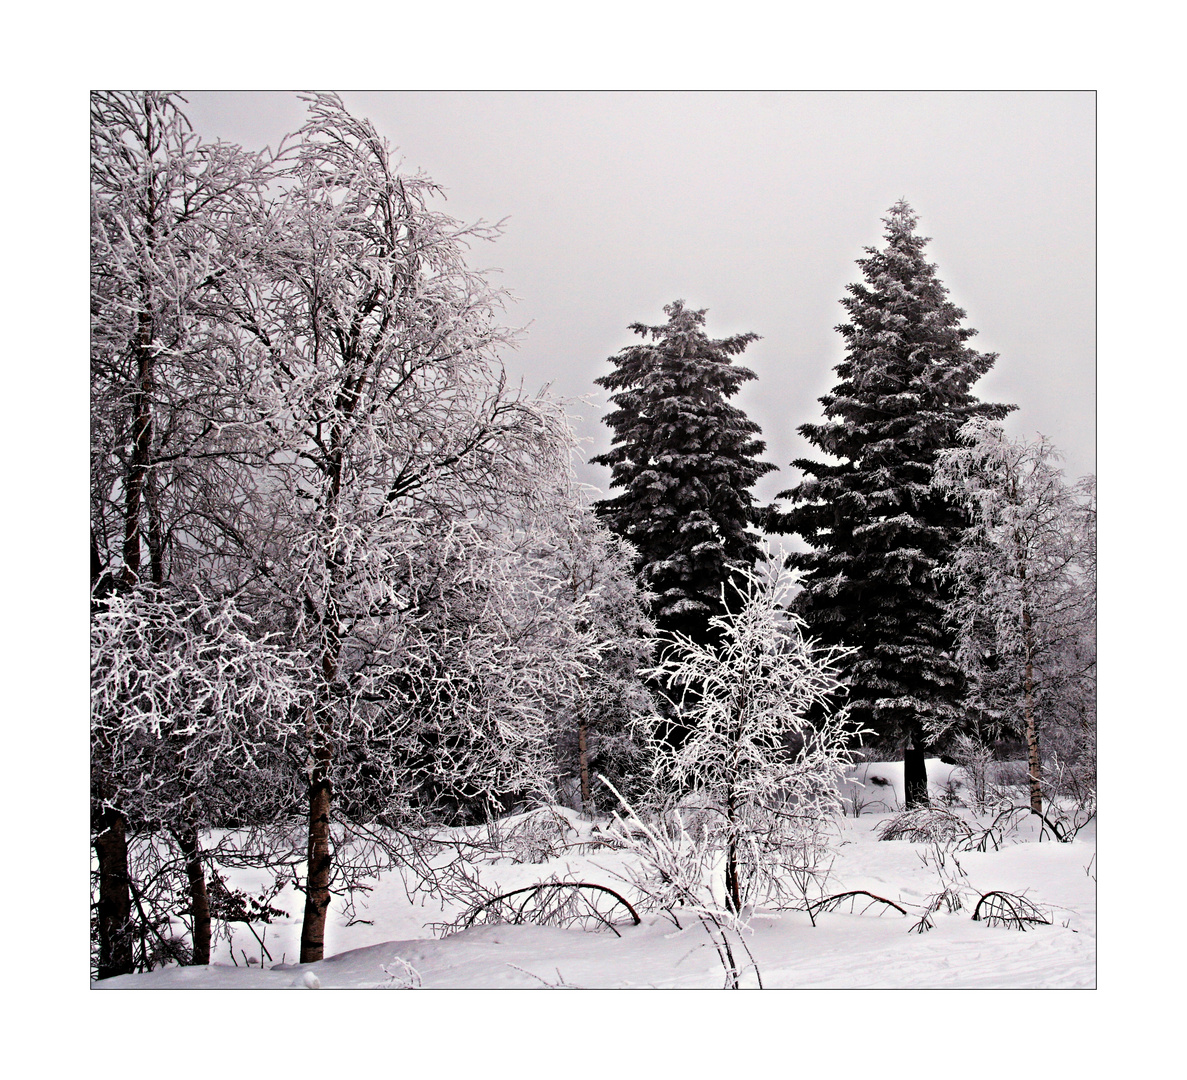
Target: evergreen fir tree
{"x":878,"y":534}
{"x":684,"y":461}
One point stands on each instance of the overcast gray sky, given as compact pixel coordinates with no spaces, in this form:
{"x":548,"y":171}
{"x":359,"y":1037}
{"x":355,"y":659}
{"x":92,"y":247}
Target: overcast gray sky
{"x":755,"y":205}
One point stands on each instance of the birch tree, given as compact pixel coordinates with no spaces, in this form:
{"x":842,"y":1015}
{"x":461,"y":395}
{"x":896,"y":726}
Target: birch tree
{"x":169,"y":216}
{"x":600,"y":596}
{"x":1024,"y":579}
{"x":307,"y":467}
{"x":392,"y":422}
{"x":172,"y":219}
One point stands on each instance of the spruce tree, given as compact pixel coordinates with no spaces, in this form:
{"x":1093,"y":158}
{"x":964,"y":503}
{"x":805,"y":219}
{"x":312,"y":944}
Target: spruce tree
{"x":878,"y":534}
{"x":684,"y":461}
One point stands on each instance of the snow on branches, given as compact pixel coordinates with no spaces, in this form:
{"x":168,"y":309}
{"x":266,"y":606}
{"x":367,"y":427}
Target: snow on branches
{"x":1023,"y":582}
{"x":192,"y":709}
{"x":765,"y":753}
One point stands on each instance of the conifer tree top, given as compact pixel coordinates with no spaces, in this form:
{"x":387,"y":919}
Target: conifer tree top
{"x":681,"y":339}
{"x":906,"y":353}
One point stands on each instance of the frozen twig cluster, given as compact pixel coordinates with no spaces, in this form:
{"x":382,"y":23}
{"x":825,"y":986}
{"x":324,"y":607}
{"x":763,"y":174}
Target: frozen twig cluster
{"x":672,"y":871}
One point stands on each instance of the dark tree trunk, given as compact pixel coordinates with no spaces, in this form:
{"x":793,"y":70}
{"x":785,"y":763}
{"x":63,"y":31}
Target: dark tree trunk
{"x":115,"y":896}
{"x":96,"y":563}
{"x":199,"y":897}
{"x":156,"y":532}
{"x":1033,"y":757}
{"x":142,"y":433}
{"x":583,"y":753}
{"x":915,"y":776}
{"x":317,"y":883}
{"x":733,"y":889}
{"x":111,"y":852}
{"x":319,"y":859}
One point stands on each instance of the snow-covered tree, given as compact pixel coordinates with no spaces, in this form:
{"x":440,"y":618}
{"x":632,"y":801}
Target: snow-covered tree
{"x":767,"y":753}
{"x":1023,"y":598}
{"x":170,"y":220}
{"x":192,"y":712}
{"x":600,"y":593}
{"x":392,"y":424}
{"x":878,"y":533}
{"x":454,"y":715}
{"x":561,"y":589}
{"x":684,"y":461}
{"x":298,"y":402}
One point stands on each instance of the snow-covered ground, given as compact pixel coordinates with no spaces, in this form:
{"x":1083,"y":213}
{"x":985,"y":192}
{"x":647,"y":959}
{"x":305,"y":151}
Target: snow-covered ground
{"x":391,"y":943}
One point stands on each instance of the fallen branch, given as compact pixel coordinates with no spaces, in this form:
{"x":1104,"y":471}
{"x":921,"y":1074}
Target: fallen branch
{"x":1008,"y":909}
{"x":555,"y":913}
{"x":831,"y":903}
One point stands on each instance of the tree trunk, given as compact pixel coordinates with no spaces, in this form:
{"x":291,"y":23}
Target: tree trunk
{"x":199,"y":897}
{"x":317,"y":882}
{"x":111,"y":841}
{"x":115,"y":896}
{"x":583,"y":753}
{"x":915,"y":776}
{"x":1033,"y":760}
{"x":318,"y":859}
{"x":142,"y":432}
{"x":733,"y":890}
{"x":156,"y":532}
{"x":96,"y":563}
{"x":111,"y":852}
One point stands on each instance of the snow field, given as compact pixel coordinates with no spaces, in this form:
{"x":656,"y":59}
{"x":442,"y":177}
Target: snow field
{"x":391,"y":942}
